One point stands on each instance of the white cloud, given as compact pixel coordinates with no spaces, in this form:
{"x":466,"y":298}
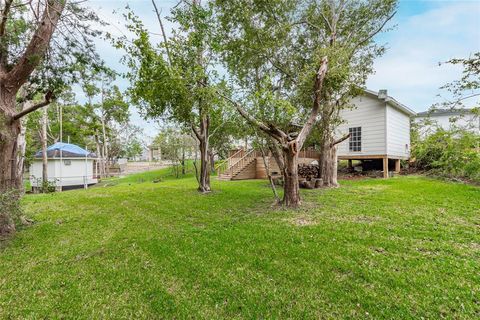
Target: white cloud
{"x":410,"y":70}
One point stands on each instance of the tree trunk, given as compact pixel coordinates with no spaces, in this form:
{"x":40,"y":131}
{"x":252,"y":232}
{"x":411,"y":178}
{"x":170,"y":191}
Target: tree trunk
{"x":328,"y":166}
{"x":204,"y":179}
{"x":99,"y":157}
{"x":183,"y":160}
{"x":9,"y":178}
{"x":106,"y":168}
{"x":22,"y":143}
{"x":204,"y":183}
{"x":212,"y":161}
{"x":328,"y":162}
{"x":44,"y":150}
{"x":9,"y":131}
{"x":291,"y":190}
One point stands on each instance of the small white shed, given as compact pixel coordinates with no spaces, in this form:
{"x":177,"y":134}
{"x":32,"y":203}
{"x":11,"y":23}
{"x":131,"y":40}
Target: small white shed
{"x":69,"y":166}
{"x":379,"y":128}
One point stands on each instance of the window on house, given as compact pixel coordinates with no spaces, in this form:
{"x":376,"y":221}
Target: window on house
{"x":67,"y":162}
{"x":355,"y":143}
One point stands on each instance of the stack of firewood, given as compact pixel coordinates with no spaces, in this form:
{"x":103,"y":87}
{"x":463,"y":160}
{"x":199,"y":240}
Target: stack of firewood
{"x":308,"y":171}
{"x":308,"y":176}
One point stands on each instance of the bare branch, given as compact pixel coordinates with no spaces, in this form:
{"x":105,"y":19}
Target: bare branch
{"x":48,"y":99}
{"x":374,"y":33}
{"x":334,"y":143}
{"x":163,"y":32}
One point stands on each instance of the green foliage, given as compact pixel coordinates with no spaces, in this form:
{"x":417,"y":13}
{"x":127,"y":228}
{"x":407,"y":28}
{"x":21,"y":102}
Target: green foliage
{"x":81,"y":124}
{"x":133,"y":149}
{"x":179,"y":85}
{"x":466,"y":88}
{"x":470,"y":80}
{"x":273,"y":49}
{"x":71,"y":50}
{"x":175,"y":144}
{"x":454,"y":153}
{"x":126,"y":141}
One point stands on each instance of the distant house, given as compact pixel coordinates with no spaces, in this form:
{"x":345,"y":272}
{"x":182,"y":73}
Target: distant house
{"x":69,"y":166}
{"x":448,"y":119}
{"x":154,"y":153}
{"x":379,"y":128}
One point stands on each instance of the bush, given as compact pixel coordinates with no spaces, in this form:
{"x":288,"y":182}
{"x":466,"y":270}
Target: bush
{"x":454,"y":154}
{"x":10,"y":211}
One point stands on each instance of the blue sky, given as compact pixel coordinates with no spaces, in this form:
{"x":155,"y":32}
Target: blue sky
{"x":425,"y":33}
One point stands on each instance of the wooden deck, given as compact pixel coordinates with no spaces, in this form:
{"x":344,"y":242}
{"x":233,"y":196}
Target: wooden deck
{"x":249,"y":164}
{"x":243,"y":165}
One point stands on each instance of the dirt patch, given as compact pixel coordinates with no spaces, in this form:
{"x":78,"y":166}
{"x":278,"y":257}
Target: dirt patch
{"x":355,"y":219}
{"x":302,"y":221}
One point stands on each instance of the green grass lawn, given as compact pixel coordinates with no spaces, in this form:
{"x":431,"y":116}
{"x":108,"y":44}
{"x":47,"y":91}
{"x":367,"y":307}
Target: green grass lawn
{"x":407,"y":247}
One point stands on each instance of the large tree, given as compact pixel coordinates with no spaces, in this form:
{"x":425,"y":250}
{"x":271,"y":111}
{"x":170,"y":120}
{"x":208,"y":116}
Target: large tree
{"x":176,"y":79}
{"x":271,"y":61}
{"x":288,"y":64}
{"x":29,"y":31}
{"x":42,"y":43}
{"x":350,"y":28}
{"x":15,"y":70}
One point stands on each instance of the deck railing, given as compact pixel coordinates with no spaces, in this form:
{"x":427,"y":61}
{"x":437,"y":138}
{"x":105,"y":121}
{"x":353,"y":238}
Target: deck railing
{"x":309,"y":154}
{"x":241,"y":157}
{"x":247,"y":158}
{"x":223,"y":165}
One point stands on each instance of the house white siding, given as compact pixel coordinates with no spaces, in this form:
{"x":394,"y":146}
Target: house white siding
{"x":397,"y":133}
{"x":36,"y":169}
{"x":448,"y":122}
{"x":368,"y":113}
{"x":62,"y":174}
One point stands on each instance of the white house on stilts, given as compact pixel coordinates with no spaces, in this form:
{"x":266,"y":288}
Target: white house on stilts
{"x":379,"y":128}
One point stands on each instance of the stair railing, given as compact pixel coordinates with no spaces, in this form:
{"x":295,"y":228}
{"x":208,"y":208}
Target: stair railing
{"x":246,"y":159}
{"x":223,"y":165}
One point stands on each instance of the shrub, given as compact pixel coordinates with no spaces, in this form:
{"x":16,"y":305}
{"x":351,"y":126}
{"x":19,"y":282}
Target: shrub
{"x":453,"y":153}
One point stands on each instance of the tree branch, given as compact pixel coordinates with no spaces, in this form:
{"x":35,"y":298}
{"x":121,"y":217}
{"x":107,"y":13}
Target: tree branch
{"x":195,"y":131}
{"x":271,"y":130}
{"x":3,"y":42}
{"x":334,"y":143}
{"x":48,"y":99}
{"x":276,"y":154}
{"x":38,"y":44}
{"x":374,"y":33}
{"x":307,"y":127}
{"x":3,"y":21}
{"x":163,"y":32}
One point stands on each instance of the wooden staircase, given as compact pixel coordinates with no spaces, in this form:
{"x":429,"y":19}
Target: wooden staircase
{"x":248,"y":164}
{"x":237,"y":165}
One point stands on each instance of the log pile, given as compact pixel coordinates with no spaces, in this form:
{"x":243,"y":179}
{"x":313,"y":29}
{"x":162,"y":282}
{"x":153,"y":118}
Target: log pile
{"x":308,"y":176}
{"x":308,"y":171}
